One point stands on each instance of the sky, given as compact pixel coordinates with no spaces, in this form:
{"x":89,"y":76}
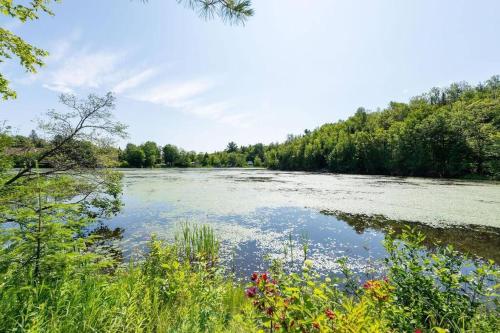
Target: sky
{"x":295,"y":65}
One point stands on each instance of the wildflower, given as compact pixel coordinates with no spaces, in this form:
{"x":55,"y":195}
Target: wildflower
{"x":330,"y":314}
{"x":254,"y":276}
{"x":270,"y":311}
{"x":264,"y":276}
{"x":418,"y":330}
{"x":251,"y":292}
{"x":371,"y":284}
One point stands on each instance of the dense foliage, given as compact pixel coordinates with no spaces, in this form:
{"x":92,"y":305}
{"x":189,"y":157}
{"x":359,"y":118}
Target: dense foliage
{"x":448,"y":132}
{"x":150,"y":154}
{"x":44,"y":212}
{"x":451,"y":132}
{"x":181,"y":287}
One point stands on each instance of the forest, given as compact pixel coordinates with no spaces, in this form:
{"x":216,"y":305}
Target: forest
{"x":449,"y":132}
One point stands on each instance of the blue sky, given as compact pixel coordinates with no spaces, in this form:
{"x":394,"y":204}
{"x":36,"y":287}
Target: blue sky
{"x":296,"y":64}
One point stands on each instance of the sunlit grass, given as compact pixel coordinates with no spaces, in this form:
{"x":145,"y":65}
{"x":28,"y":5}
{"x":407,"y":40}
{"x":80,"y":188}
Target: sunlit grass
{"x":181,"y":287}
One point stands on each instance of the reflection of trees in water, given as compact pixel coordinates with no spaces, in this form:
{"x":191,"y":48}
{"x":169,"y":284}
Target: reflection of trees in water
{"x":105,"y":241}
{"x":479,"y":241}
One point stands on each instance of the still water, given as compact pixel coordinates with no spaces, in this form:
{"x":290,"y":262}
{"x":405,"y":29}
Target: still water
{"x":256,"y":212}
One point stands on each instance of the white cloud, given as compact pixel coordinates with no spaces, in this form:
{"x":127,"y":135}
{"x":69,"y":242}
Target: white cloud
{"x":176,"y":95}
{"x":134,"y":80}
{"x":190,"y":97}
{"x":84,"y":70}
{"x":69,"y":71}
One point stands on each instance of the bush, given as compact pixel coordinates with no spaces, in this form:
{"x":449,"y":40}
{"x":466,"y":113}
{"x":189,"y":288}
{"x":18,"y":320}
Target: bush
{"x":181,"y":287}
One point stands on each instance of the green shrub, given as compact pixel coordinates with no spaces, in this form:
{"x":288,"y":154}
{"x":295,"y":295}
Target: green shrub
{"x":174,"y":290}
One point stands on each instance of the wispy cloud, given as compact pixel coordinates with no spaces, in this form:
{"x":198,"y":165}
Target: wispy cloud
{"x":83,"y":70}
{"x":193,"y":97}
{"x":134,"y":80}
{"x":70,"y":71}
{"x":175,"y":95}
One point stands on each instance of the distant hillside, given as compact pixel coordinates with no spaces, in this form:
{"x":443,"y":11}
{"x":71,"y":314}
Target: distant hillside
{"x":451,"y":132}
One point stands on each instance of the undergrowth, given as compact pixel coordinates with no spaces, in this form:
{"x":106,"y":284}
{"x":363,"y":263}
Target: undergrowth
{"x":182,"y":287}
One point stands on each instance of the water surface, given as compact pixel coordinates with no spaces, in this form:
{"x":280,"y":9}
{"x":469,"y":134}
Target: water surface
{"x":255,"y":212}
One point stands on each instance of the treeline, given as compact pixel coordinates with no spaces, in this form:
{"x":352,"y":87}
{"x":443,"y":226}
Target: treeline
{"x":23,"y":151}
{"x":151,"y":154}
{"x":449,"y":132}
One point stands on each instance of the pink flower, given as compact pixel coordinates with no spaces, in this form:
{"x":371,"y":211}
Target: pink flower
{"x":251,"y":292}
{"x":418,"y":330}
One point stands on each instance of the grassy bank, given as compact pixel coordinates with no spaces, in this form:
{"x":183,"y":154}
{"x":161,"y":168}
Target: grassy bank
{"x":180,"y":287}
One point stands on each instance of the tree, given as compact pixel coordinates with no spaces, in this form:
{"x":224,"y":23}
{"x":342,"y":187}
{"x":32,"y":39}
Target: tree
{"x":44,"y":213}
{"x":257,"y":162}
{"x":232,"y":147}
{"x":134,"y":156}
{"x":448,"y":132}
{"x":232,"y":11}
{"x":170,"y":154}
{"x":151,"y":153}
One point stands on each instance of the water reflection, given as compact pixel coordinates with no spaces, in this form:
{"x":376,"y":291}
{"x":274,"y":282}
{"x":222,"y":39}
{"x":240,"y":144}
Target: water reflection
{"x":477,"y":241}
{"x":106,"y":241}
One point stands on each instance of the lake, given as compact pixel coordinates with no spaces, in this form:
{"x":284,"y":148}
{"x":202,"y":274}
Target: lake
{"x":257,"y":212}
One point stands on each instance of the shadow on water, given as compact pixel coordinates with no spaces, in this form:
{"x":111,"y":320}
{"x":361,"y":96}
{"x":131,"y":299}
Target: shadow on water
{"x":477,"y":241}
{"x":106,"y":241}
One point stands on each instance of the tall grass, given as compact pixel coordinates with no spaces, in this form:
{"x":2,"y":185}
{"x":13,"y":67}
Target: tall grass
{"x":198,"y":244}
{"x":180,"y":288}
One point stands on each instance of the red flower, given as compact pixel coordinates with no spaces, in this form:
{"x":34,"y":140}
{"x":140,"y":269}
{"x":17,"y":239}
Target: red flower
{"x":330,"y":314}
{"x":254,"y":276}
{"x":418,"y":330}
{"x":264,"y":276}
{"x":270,"y":311}
{"x":371,"y":284}
{"x":251,"y":292}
